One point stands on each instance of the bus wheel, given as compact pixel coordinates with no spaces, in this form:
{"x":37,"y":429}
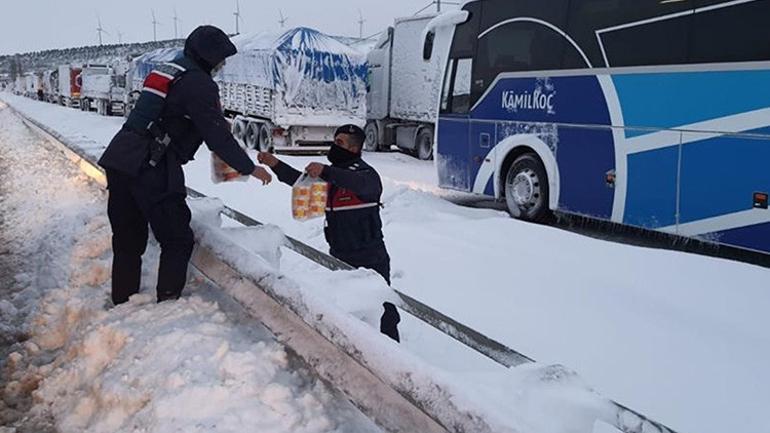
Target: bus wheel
{"x":526,"y":189}
{"x":424,"y":145}
{"x":371,"y":144}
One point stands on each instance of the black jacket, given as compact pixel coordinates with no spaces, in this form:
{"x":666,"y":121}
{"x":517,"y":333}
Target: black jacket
{"x":192,"y":114}
{"x":354,"y":236}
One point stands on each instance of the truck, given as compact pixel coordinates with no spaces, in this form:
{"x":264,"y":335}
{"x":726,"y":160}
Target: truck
{"x":291,"y":91}
{"x":31,"y":84}
{"x":101,"y":90}
{"x":69,"y":86}
{"x":51,"y":85}
{"x":402,"y":101}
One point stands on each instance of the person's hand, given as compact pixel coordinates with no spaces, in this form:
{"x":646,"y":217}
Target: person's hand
{"x":267,"y":158}
{"x":314,"y":169}
{"x":262,"y":174}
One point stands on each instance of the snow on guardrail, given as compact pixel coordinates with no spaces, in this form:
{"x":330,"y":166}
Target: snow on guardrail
{"x":426,"y":398}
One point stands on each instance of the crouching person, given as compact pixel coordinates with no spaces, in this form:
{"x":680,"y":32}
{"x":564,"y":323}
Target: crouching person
{"x":353,"y":225}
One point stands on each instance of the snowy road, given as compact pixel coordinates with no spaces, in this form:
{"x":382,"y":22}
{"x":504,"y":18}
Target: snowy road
{"x":681,"y":338}
{"x":72,"y":364}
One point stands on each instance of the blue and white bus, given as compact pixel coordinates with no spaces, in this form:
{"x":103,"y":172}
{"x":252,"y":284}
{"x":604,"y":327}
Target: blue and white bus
{"x":650,"y":113}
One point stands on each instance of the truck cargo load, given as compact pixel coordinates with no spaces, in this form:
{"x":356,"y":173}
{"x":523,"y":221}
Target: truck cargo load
{"x":292,"y":89}
{"x":138,"y":70}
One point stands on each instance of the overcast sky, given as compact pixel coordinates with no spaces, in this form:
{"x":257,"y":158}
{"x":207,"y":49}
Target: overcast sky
{"x":31,"y":25}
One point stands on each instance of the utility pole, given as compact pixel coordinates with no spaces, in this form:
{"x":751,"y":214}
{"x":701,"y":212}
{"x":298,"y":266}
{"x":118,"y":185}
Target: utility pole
{"x":438,"y":5}
{"x":283,"y":19}
{"x":237,"y":14}
{"x":154,"y":26}
{"x":100,"y":29}
{"x":361,"y":22}
{"x":120,"y":37}
{"x":176,"y":27}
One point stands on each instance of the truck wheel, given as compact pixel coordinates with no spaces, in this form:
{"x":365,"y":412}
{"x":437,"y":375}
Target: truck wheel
{"x":372,"y":142}
{"x":251,"y":135}
{"x":424,"y":144}
{"x":239,"y":129}
{"x":526,"y":189}
{"x":265,"y":138}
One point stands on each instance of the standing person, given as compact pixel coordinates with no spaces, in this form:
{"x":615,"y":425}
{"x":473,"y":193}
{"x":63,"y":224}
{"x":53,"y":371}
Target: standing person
{"x":353,"y":225}
{"x":178,"y":109}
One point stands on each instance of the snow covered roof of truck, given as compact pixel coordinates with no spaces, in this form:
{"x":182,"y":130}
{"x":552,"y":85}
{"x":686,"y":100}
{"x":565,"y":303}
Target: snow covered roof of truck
{"x":298,"y":38}
{"x":272,"y":60}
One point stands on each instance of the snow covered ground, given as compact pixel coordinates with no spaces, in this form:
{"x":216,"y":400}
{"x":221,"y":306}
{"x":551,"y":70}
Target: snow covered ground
{"x":71,"y":364}
{"x":678,"y":337}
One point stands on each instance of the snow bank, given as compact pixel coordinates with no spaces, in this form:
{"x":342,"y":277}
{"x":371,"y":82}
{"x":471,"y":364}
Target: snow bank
{"x":657,"y":330}
{"x":139,"y":367}
{"x":335,"y":300}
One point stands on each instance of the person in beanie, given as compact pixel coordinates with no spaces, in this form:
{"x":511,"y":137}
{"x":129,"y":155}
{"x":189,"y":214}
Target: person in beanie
{"x":353,"y":225}
{"x":178,"y":109}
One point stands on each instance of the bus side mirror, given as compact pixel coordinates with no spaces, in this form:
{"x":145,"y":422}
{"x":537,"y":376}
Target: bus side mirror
{"x":427,"y":48}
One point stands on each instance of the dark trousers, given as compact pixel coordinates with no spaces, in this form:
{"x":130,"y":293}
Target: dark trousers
{"x":130,"y":211}
{"x":390,"y":317}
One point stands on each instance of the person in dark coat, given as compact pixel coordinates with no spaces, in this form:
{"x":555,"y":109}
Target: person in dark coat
{"x":353,"y":225}
{"x":146,"y":181}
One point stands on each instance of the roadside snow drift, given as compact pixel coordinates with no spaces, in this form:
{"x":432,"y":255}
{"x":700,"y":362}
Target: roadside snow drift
{"x":81,"y":365}
{"x":675,"y":336}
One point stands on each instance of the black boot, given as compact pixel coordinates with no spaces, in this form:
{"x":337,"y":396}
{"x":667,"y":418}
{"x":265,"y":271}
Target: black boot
{"x":389,"y":321}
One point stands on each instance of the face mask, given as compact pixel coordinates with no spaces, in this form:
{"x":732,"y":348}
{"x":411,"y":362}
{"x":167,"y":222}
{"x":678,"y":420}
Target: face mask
{"x":217,"y":69}
{"x":339,"y":155}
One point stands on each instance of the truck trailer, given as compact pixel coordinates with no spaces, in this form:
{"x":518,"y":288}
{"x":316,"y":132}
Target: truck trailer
{"x":291,"y":91}
{"x":69,"y":86}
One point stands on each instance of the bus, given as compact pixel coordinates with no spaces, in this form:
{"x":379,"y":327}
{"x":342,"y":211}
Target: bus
{"x":648,"y":113}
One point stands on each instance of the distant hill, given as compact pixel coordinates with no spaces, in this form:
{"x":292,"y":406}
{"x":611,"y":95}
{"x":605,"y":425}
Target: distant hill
{"x":50,"y":59}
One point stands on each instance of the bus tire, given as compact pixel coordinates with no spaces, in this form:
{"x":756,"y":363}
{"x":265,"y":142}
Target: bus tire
{"x":526,"y":189}
{"x":424,"y":144}
{"x":372,"y":133}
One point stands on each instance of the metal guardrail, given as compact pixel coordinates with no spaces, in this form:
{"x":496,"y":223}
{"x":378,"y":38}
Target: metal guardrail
{"x":626,"y":419}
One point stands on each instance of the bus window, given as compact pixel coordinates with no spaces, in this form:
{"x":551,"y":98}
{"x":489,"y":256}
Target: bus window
{"x":447,"y":84}
{"x":737,"y":33}
{"x":662,"y":42}
{"x":631,"y":32}
{"x":464,"y":41}
{"x":519,"y":46}
{"x":461,"y":89}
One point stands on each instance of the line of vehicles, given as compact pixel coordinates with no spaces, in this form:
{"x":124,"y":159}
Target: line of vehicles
{"x":638,"y":113}
{"x":286,"y":92}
